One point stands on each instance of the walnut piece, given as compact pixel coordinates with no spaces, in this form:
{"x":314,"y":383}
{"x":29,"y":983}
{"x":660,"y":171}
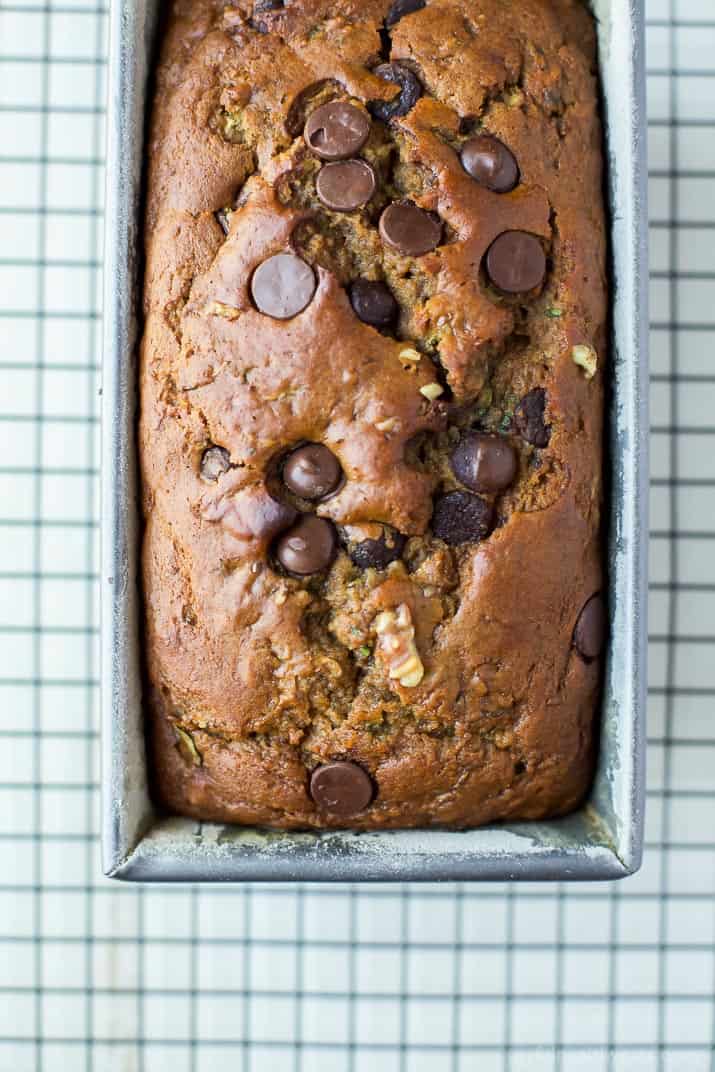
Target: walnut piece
{"x":409,"y":359}
{"x":503,"y":738}
{"x":586,"y":357}
{"x":217,"y":308}
{"x":431,"y":391}
{"x":187,"y":748}
{"x":396,"y":644}
{"x":390,"y":424}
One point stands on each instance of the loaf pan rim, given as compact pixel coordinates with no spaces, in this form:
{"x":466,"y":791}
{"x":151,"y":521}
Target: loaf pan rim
{"x":134,"y":846}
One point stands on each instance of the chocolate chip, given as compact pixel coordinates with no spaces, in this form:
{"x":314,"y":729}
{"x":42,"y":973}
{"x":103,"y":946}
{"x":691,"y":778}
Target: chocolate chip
{"x":516,"y":262}
{"x":346,"y":185}
{"x":283,"y":285}
{"x":266,"y":517}
{"x":410,"y":91}
{"x":336,"y":130}
{"x":309,"y":547}
{"x":529,"y":418}
{"x":409,"y":229}
{"x":489,"y":161}
{"x":484,"y":462}
{"x":373,"y":303}
{"x":400,"y":8}
{"x":311,"y":471}
{"x":214,"y":462}
{"x":590,"y":632}
{"x":377,"y":554}
{"x":341,"y":788}
{"x":460,"y":517}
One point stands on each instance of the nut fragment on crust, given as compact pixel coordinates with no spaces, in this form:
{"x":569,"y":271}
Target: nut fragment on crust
{"x":586,"y":357}
{"x":388,"y":425}
{"x":396,"y":644}
{"x":514,"y":97}
{"x":237,"y":94}
{"x":409,"y":358}
{"x":330,"y":666}
{"x":230,"y":125}
{"x":223,"y":219}
{"x":217,"y":308}
{"x":187,"y":748}
{"x":480,"y":687}
{"x":431,"y":391}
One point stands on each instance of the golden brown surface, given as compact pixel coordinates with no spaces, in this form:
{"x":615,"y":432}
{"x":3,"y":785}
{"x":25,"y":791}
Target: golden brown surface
{"x":268,"y":676}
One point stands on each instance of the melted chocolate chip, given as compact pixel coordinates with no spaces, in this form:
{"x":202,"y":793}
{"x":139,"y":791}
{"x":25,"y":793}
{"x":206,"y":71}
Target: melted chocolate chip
{"x":409,"y":229}
{"x":297,"y":113}
{"x":336,"y":130}
{"x":311,"y":471}
{"x":529,"y":418}
{"x":309,"y":547}
{"x":377,"y":554}
{"x":489,"y":161}
{"x":283,"y":285}
{"x":400,"y":8}
{"x":214,"y":462}
{"x":341,"y":788}
{"x":460,"y":517}
{"x":516,"y":262}
{"x":590,"y":632}
{"x":345,"y":185}
{"x":484,"y":463}
{"x":410,"y":91}
{"x":373,"y":303}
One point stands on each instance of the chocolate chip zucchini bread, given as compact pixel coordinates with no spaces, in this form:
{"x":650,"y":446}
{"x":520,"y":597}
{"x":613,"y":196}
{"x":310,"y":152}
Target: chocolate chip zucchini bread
{"x":371,"y":411}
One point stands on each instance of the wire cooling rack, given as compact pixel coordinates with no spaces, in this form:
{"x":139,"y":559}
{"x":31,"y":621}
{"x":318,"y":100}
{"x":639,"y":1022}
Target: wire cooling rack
{"x":597,"y":978}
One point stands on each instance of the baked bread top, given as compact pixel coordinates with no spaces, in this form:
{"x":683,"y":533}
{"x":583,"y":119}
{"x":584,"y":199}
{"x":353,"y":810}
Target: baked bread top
{"x":371,"y":410}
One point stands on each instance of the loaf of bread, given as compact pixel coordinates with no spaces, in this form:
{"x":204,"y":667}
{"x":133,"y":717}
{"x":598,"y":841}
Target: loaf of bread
{"x":371,"y":411}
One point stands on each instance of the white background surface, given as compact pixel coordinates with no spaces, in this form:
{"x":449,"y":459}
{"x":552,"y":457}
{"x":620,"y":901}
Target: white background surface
{"x":117,"y":979}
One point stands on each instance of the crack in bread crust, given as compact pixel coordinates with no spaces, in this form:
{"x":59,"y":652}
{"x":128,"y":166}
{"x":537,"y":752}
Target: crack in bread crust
{"x":270,"y":674}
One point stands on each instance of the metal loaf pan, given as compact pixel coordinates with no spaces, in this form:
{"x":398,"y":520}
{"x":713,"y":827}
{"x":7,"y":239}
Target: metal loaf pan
{"x":601,"y":841}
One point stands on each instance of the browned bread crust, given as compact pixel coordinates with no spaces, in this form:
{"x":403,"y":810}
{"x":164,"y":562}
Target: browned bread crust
{"x":258,"y":677}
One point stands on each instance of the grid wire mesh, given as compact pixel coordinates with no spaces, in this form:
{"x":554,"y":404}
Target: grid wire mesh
{"x":304,"y":979}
